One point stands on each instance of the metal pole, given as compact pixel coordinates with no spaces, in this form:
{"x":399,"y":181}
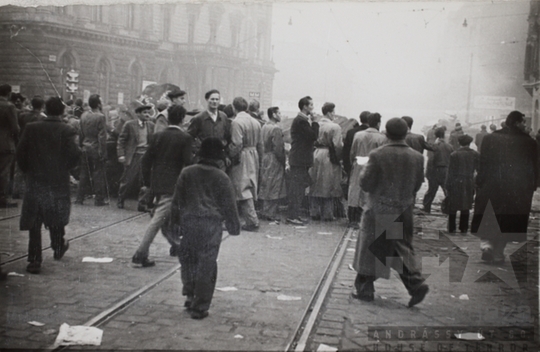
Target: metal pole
{"x":469,"y":91}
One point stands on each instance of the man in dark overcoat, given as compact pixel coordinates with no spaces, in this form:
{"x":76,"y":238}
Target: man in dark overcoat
{"x":9,"y":132}
{"x":391,"y":178}
{"x":460,"y":184}
{"x":414,"y":140}
{"x":203,"y":198}
{"x":132,"y":144}
{"x":507,"y":178}
{"x":168,"y":153}
{"x":45,"y":154}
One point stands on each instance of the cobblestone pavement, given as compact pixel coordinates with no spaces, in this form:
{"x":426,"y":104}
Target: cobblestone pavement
{"x":491,"y":304}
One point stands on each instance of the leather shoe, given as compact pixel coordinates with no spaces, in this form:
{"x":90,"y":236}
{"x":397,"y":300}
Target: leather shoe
{"x":365,"y":298}
{"x":120,"y":203}
{"x":100,"y":203}
{"x":59,"y":254}
{"x":297,"y":222}
{"x":195,"y":314}
{"x":78,"y":202}
{"x":34,"y":267}
{"x":188,"y":302}
{"x":250,"y":228}
{"x":418,"y":295}
{"x":487,"y":255}
{"x":145,"y":262}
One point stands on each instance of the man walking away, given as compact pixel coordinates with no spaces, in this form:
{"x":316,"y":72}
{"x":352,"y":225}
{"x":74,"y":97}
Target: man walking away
{"x":413,"y":140}
{"x":437,"y":168}
{"x":272,"y":173}
{"x":460,"y":184}
{"x":204,"y":197}
{"x":245,"y":151}
{"x":391,"y":178}
{"x":46,"y":153}
{"x":132,"y":144}
{"x":9,"y":132}
{"x":304,"y":133}
{"x":93,"y":142}
{"x":480,"y":137}
{"x":507,"y":178}
{"x":168,"y":153}
{"x":454,"y":135}
{"x":326,"y":170}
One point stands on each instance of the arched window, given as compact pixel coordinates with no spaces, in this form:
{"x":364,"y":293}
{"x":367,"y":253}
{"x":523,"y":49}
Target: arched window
{"x":164,"y":76}
{"x":66,"y":63}
{"x":104,"y":77}
{"x":135,"y":74}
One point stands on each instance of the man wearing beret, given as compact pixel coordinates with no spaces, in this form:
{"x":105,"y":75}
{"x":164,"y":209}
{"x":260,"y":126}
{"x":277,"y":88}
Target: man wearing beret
{"x":460,"y":184}
{"x":391,"y":178}
{"x":132,"y":144}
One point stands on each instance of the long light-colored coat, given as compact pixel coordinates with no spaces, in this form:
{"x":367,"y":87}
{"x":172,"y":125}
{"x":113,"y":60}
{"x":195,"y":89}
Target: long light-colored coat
{"x":391,"y":178}
{"x":326,"y":176}
{"x":272,"y":185}
{"x":363,"y":143}
{"x":245,"y":146}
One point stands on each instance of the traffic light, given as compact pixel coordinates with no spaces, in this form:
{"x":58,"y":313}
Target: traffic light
{"x":72,"y":81}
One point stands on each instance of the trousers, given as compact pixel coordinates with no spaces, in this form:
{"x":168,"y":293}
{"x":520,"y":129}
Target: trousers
{"x":34,"y":243}
{"x":92,"y":177}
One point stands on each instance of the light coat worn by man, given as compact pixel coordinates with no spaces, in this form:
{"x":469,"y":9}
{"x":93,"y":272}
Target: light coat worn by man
{"x":326,"y":170}
{"x":245,"y":151}
{"x":272,"y":174}
{"x":363,"y":143}
{"x":391,"y":178}
{"x":507,"y":178}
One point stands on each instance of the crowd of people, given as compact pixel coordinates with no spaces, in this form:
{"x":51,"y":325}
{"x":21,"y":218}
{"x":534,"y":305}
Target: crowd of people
{"x":229,"y":166}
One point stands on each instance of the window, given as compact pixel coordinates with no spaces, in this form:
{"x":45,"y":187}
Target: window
{"x":104,"y":76}
{"x":167,"y":13}
{"x":135,"y":74}
{"x":130,"y":16}
{"x":97,"y":13}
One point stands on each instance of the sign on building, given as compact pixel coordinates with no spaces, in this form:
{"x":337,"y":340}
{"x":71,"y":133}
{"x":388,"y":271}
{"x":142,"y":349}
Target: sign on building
{"x":16,"y":89}
{"x":120,"y":98}
{"x":86,"y":95}
{"x":494,"y":103}
{"x":254,"y":94}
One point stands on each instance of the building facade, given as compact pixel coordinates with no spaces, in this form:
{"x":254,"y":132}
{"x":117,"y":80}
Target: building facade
{"x":532,"y":63}
{"x":117,"y":49}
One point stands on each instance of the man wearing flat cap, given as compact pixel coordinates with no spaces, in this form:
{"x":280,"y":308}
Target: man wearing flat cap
{"x":454,"y":135}
{"x":203,"y":198}
{"x":460,"y":183}
{"x":391,"y":178}
{"x":132,"y":144}
{"x":507,"y":178}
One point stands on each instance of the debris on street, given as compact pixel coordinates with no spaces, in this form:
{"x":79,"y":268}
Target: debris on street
{"x":78,"y":335}
{"x":97,"y":260}
{"x":288,"y":298}
{"x":226,"y":289}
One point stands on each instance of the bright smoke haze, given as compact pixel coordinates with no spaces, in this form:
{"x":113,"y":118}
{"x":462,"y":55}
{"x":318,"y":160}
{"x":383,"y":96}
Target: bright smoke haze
{"x":407,"y":58}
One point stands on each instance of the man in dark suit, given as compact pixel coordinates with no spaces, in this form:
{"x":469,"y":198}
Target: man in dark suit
{"x":93,"y":142}
{"x":413,"y":140}
{"x":46,"y":153}
{"x":304,"y":133}
{"x":168,"y":153}
{"x":507,"y":177}
{"x":391,"y":178}
{"x":480,"y":137}
{"x":210,"y":123}
{"x":132,"y":144}
{"x":9,"y":132}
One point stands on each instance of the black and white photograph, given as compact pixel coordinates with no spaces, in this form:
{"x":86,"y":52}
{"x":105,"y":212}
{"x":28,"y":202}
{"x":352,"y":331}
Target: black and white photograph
{"x":208,"y":175}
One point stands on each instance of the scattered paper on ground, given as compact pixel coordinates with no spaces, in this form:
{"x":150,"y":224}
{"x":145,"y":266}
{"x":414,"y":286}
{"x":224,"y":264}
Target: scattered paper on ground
{"x":464,"y":297}
{"x":350,"y":249}
{"x":470,"y":336}
{"x":384,"y":297}
{"x":227,"y":289}
{"x":238,"y":336}
{"x":452,"y":296}
{"x":97,"y":260}
{"x":300,"y":227}
{"x":326,"y":348}
{"x":274,"y":238}
{"x":14,"y":274}
{"x":351,"y":267}
{"x":324,"y":233}
{"x":502,"y":269}
{"x":78,"y":335}
{"x":49,"y":332}
{"x":35,"y":323}
{"x":288,"y":298}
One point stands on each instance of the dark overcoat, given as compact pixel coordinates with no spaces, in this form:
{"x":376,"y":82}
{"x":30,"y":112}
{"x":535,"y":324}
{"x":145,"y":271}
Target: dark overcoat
{"x":507,"y":177}
{"x":460,"y":179}
{"x":129,"y":139}
{"x":45,"y":154}
{"x":391,"y":178}
{"x":168,"y":153}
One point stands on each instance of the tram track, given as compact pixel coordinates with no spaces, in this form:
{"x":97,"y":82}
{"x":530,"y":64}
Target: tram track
{"x":78,"y":237}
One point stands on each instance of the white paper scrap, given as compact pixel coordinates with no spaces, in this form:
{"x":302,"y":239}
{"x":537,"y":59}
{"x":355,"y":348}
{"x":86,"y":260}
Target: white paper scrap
{"x":274,"y":237}
{"x":384,"y":297}
{"x":300,"y":227}
{"x":362,"y":160}
{"x":78,"y":335}
{"x":324,"y":233}
{"x":288,"y":298}
{"x":351,"y":267}
{"x":15,"y":274}
{"x":35,"y":323}
{"x":464,"y":297}
{"x":97,"y":260}
{"x":470,"y":336}
{"x":238,"y":336}
{"x":325,"y":348}
{"x":226,"y":289}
